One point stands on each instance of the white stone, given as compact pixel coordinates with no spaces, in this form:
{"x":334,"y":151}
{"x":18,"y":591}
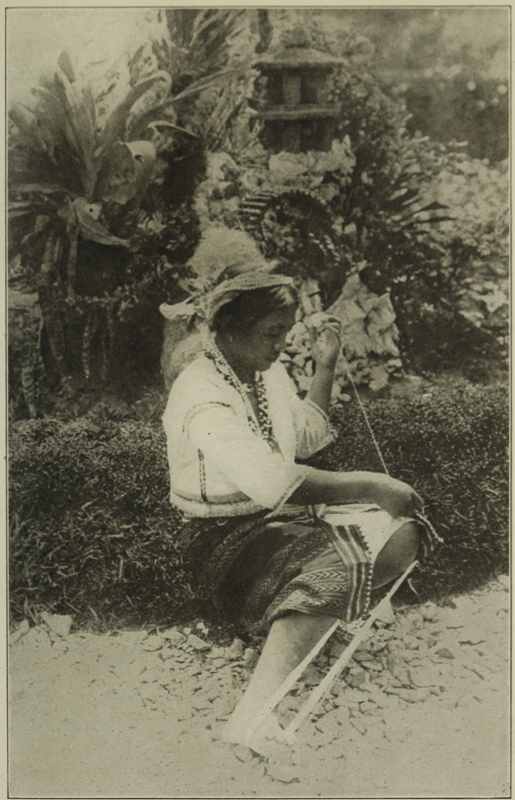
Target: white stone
{"x":216,"y":652}
{"x":37,"y":637}
{"x":153,"y":643}
{"x":282,"y":772}
{"x":59,"y":623}
{"x":20,"y":631}
{"x":465,"y":603}
{"x":414,"y":695}
{"x":430,"y":612}
{"x":174,"y":636}
{"x":167,"y":653}
{"x":471,"y":635}
{"x":235,"y":651}
{"x":385,"y":613}
{"x":424,"y":677}
{"x":198,"y":644}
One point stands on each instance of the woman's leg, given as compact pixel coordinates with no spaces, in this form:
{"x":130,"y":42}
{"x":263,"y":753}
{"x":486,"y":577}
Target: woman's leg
{"x":293,"y":636}
{"x":290,"y":639}
{"x":397,"y":554}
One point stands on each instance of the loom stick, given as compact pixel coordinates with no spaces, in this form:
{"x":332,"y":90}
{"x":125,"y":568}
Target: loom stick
{"x":290,"y":681}
{"x":342,"y":662}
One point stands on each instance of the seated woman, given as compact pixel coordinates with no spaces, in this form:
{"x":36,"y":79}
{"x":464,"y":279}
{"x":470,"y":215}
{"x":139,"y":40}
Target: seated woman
{"x":235,"y":427}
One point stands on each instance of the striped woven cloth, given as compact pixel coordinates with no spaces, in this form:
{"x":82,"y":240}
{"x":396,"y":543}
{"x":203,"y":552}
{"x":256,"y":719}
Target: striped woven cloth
{"x":255,"y":569}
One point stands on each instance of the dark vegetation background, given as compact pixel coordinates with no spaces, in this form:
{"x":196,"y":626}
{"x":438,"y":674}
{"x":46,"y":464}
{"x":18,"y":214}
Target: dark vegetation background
{"x":112,"y":184}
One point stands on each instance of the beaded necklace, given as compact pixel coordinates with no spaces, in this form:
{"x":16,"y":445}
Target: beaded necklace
{"x":263,"y":425}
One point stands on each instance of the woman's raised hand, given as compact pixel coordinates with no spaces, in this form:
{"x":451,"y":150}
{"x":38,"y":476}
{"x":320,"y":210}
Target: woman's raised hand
{"x":396,"y":497}
{"x":326,"y":335}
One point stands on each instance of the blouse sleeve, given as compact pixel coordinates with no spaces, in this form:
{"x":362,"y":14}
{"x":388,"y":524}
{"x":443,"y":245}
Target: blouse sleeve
{"x":245,"y":459}
{"x":313,"y":430}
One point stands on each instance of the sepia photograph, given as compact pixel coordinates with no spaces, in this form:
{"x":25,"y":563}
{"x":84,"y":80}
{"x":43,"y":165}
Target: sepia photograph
{"x":258,"y":401}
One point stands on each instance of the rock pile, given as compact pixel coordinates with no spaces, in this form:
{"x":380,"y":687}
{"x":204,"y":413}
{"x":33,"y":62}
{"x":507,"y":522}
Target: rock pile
{"x":434,"y":671}
{"x":369,"y":339}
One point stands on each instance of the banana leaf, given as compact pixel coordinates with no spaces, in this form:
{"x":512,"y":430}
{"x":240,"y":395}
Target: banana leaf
{"x":65,"y":64}
{"x":89,"y":103}
{"x":93,"y":230}
{"x":54,"y":114}
{"x":126,"y":171}
{"x":137,"y":124}
{"x":44,"y":188}
{"x":59,"y":106}
{"x":50,"y":112}
{"x":164,"y":123}
{"x":436,"y":206}
{"x":23,"y":204}
{"x":218,"y":79}
{"x":81,"y":123}
{"x":20,"y":212}
{"x":115,"y":126}
{"x":37,"y":135}
{"x":144,"y":155}
{"x":28,"y":126}
{"x":116,"y":178}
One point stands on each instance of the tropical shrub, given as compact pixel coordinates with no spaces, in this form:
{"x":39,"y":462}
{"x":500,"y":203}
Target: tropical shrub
{"x":181,"y":152}
{"x":80,"y":165}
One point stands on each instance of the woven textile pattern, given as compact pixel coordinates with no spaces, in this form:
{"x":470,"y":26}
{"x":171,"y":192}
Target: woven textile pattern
{"x":256,"y":569}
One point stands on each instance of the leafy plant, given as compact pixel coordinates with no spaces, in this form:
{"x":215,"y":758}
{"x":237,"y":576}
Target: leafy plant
{"x":63,"y":168}
{"x":76,"y":184}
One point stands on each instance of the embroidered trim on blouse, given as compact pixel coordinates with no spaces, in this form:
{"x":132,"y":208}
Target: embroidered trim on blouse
{"x":294,"y":484}
{"x":194,"y":410}
{"x":202,"y":475}
{"x":197,"y":508}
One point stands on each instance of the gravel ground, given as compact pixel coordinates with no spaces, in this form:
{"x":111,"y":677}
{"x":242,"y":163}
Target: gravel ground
{"x":423,"y":711}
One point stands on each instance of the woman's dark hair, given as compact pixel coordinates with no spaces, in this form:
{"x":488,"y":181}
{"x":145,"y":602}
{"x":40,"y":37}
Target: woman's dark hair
{"x":250,"y":307}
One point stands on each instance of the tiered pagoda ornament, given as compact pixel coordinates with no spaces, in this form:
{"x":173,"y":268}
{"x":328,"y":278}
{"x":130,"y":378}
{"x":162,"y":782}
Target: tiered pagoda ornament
{"x":297,"y":114}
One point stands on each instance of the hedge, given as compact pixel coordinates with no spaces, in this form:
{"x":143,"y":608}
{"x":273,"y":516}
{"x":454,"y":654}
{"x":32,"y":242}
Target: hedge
{"x":92,"y":530}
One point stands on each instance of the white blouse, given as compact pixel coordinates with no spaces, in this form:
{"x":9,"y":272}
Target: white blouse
{"x":218,"y":466}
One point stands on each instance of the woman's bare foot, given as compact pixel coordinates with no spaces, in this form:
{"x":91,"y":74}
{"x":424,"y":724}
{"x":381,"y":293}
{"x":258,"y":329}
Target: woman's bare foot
{"x":266,"y":740}
{"x":290,"y":639}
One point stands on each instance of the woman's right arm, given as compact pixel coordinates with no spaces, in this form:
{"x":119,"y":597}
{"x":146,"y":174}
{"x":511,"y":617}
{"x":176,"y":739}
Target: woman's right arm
{"x":321,"y":486}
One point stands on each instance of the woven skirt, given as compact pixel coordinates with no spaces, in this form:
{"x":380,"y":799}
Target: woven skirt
{"x":257,"y":568}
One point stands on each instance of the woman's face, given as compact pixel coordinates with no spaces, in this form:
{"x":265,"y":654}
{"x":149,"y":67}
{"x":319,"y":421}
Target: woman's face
{"x":258,"y":348}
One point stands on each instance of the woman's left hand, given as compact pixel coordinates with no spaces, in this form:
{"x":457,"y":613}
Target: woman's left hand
{"x":326,"y":334}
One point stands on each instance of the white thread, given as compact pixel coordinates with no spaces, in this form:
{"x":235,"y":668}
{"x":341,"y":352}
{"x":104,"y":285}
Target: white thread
{"x":362,"y":407}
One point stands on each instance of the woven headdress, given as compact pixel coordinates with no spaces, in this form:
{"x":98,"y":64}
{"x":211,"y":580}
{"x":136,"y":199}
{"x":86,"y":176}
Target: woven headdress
{"x":208,"y":305}
{"x":227,"y":263}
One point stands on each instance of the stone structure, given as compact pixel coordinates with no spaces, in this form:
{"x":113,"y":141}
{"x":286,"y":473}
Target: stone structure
{"x":298,"y":115}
